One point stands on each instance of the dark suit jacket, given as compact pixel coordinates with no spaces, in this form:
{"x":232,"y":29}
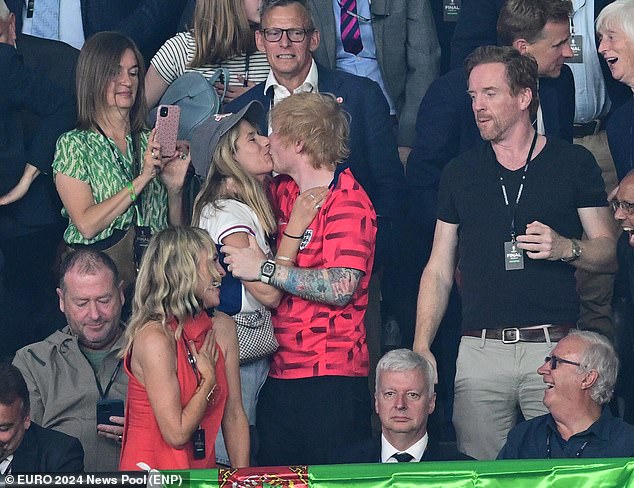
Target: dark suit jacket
{"x":477,"y":26}
{"x":47,"y":451}
{"x":148,"y":22}
{"x":369,"y":451}
{"x":36,"y":106}
{"x":373,"y":156}
{"x":407,"y":51}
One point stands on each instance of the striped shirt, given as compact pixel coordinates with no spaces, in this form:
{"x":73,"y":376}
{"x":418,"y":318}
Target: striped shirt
{"x":173,"y":58}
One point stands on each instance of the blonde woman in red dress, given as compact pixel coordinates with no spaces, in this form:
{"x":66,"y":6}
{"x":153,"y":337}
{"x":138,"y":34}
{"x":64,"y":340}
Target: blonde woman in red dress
{"x":182,"y":360}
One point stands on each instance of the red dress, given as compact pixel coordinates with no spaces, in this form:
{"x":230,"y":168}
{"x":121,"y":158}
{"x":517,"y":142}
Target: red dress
{"x":142,"y":439}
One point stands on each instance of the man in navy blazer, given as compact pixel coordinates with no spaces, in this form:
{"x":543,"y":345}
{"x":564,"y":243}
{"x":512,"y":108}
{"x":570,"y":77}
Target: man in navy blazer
{"x":476,"y":26}
{"x":373,"y":158}
{"x":404,"y":398}
{"x":149,"y":23}
{"x":25,"y":447}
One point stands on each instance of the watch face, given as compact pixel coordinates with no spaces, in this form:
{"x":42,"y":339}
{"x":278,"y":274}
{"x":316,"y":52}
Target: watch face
{"x":268,"y":269}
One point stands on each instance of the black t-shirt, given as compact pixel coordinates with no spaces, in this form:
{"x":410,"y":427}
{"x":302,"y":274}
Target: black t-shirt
{"x":560,"y":179}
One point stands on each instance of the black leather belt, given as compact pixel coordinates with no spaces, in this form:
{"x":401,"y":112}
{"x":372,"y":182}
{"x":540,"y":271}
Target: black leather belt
{"x":591,"y":128}
{"x":511,"y":335}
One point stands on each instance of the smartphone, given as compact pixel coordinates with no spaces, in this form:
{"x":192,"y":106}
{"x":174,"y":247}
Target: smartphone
{"x":108,"y":408}
{"x":167,"y":119}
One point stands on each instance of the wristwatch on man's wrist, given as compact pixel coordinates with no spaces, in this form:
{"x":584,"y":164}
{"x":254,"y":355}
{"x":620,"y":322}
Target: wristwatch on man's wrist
{"x":576,"y":252}
{"x":267,"y":270}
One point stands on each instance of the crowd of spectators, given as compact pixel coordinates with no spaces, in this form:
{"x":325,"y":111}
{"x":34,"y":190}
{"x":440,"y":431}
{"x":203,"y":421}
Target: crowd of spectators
{"x":442,"y":231}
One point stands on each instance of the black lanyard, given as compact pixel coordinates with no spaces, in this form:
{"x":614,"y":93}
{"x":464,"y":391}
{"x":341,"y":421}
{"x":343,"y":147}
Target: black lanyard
{"x":137,"y":204}
{"x":117,"y":158}
{"x":104,"y":394}
{"x":513,"y":210}
{"x":549,"y":450}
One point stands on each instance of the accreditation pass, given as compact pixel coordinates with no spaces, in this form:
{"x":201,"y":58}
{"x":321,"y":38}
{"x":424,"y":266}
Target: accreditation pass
{"x":118,"y":479}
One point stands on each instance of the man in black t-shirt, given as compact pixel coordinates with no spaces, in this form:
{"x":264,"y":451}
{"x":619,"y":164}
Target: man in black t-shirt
{"x":512,"y":213}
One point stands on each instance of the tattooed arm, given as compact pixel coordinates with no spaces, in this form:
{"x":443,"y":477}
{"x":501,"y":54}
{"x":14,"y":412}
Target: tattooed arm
{"x":334,"y":286}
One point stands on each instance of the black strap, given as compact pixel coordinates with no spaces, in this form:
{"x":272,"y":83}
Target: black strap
{"x":117,"y":158}
{"x":549,"y":450}
{"x":513,"y":210}
{"x":247,"y":63}
{"x":136,"y":168}
{"x":104,"y":394}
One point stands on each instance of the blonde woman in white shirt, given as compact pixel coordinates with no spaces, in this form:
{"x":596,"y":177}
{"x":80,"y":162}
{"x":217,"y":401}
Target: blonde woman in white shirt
{"x":234,"y":208}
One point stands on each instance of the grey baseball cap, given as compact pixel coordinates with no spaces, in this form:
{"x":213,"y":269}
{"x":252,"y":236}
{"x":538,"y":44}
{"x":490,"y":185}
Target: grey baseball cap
{"x":207,"y":134}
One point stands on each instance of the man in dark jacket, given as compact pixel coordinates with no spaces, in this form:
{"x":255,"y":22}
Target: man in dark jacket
{"x":25,"y":447}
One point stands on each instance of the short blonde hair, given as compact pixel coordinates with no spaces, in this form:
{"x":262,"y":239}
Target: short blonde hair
{"x":318,"y":121}
{"x":168,"y":278}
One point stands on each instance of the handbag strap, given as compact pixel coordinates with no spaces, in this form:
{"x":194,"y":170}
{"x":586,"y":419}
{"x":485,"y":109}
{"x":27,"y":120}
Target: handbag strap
{"x":220,"y":75}
{"x":253,"y":320}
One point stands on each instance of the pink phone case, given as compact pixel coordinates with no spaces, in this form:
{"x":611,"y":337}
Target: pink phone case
{"x":167,"y":117}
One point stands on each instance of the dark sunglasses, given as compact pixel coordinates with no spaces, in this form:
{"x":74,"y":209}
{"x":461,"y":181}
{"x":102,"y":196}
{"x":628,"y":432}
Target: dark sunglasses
{"x":553,"y":360}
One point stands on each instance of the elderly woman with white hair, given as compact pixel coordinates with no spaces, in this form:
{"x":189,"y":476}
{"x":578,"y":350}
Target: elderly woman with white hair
{"x":615,"y":28}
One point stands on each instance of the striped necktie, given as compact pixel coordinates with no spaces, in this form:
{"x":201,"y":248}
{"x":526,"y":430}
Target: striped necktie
{"x":350,"y":32}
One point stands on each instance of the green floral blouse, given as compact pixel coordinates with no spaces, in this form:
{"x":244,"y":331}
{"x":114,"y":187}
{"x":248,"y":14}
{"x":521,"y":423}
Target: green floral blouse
{"x":88,"y":156}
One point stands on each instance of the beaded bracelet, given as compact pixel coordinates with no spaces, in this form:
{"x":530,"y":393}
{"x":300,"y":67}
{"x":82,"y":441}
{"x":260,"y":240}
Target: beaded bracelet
{"x":131,"y":191}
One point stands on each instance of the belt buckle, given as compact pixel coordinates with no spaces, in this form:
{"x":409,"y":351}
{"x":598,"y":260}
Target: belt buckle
{"x":515,"y":331}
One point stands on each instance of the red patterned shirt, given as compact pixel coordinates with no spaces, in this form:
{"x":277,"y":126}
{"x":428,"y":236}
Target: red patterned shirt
{"x":317,"y":339}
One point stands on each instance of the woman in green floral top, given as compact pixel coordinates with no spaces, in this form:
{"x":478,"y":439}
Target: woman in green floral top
{"x":105,"y":170}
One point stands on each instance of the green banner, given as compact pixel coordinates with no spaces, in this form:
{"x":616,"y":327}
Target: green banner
{"x":560,"y":473}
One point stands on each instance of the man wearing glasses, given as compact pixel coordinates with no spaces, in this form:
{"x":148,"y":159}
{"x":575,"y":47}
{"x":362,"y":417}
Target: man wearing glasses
{"x":580,"y":374}
{"x":289,"y":38}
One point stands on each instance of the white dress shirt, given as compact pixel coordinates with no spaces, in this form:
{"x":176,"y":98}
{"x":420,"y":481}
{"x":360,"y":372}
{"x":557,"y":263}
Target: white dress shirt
{"x":5,"y":465}
{"x":71,"y":29}
{"x":417,"y":450}
{"x":281,"y":92}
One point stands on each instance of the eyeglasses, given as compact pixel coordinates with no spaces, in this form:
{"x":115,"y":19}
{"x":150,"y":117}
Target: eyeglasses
{"x":553,"y":360}
{"x":294,"y":35}
{"x":627,"y":207}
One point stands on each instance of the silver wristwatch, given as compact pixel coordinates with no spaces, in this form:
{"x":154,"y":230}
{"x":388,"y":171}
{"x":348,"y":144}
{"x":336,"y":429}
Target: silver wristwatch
{"x":576,"y":252}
